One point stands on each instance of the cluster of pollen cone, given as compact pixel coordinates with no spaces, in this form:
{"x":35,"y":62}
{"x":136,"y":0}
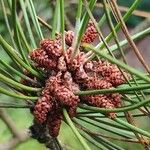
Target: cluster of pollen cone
{"x":66,"y":76}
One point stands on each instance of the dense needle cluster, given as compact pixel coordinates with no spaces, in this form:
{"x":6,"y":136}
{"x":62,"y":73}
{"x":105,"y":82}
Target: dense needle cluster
{"x":65,"y":76}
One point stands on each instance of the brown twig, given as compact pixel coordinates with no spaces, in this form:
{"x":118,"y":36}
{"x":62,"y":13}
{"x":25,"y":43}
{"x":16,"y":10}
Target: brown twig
{"x":14,"y":141}
{"x":144,"y":142}
{"x":142,"y":26}
{"x":44,"y":23}
{"x":116,"y":11}
{"x":118,"y":18}
{"x":10,"y":124}
{"x":17,"y":135}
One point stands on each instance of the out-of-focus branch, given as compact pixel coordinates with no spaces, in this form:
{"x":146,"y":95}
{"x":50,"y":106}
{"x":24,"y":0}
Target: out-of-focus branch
{"x":17,"y":136}
{"x":68,"y":23}
{"x":10,"y":124}
{"x":27,"y":105}
{"x":139,"y":13}
{"x":15,"y":141}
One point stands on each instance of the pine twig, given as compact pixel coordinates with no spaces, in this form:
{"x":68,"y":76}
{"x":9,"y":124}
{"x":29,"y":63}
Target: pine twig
{"x":10,"y":124}
{"x":18,"y":136}
{"x":14,"y":141}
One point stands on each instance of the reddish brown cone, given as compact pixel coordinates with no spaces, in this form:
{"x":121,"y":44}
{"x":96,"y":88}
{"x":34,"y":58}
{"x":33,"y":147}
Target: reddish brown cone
{"x":90,"y":33}
{"x":42,"y":107}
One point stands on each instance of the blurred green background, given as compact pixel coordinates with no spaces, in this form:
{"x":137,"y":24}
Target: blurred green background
{"x":23,"y":118}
